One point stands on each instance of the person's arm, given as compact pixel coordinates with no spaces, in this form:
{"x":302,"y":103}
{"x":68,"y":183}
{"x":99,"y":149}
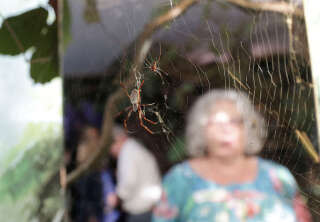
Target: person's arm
{"x":174,"y":190}
{"x":285,"y":184}
{"x":110,"y":197}
{"x":127,"y":177}
{"x":112,"y":200}
{"x":301,"y":209}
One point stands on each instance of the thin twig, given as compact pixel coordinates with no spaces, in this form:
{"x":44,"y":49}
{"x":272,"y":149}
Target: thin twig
{"x":302,"y":136}
{"x":237,"y":80}
{"x":281,"y":7}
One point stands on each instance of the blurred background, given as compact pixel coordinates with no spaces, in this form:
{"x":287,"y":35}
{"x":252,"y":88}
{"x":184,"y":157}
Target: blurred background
{"x":31,"y":135}
{"x":258,"y":47}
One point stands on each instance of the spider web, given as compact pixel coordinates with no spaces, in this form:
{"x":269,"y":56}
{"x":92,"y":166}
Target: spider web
{"x":213,"y":45}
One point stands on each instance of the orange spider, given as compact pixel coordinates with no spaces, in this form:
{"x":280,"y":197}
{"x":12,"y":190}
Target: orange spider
{"x":135,"y":99}
{"x":155,"y":67}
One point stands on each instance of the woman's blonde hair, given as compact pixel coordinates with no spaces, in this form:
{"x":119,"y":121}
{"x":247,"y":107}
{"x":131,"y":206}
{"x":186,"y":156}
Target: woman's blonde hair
{"x":201,"y":111}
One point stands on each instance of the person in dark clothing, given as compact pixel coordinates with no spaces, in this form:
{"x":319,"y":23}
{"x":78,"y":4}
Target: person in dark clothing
{"x":89,"y":202}
{"x":88,"y":190}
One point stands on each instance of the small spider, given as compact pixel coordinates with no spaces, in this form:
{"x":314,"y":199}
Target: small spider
{"x":154,"y":66}
{"x":135,"y":99}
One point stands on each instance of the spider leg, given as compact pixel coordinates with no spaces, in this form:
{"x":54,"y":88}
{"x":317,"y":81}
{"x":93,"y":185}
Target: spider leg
{"x":163,"y":72}
{"x":125,"y":110}
{"x":159,"y":74}
{"x":157,"y":71}
{"x":144,"y":117}
{"x":125,"y":89}
{"x":126,"y":119}
{"x":145,"y":127}
{"x":141,"y":86}
{"x":147,"y":63}
{"x":150,"y":104}
{"x":141,"y":115}
{"x":150,"y":121}
{"x":159,"y":55}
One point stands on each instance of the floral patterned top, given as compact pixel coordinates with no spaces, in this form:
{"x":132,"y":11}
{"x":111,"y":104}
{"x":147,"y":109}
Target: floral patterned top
{"x":272,"y":196}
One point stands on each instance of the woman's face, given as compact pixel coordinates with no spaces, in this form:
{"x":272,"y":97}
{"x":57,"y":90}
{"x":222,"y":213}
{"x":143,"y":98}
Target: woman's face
{"x":225,"y":132}
{"x":116,"y":146}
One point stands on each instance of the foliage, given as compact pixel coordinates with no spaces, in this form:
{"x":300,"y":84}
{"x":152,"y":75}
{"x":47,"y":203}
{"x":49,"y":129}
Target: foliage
{"x":29,"y":185}
{"x":30,"y":30}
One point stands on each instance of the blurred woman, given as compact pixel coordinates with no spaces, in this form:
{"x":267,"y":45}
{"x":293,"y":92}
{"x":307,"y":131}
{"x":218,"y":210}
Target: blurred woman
{"x":224,"y":180}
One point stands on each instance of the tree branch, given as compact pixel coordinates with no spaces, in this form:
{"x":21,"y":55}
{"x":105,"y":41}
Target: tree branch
{"x":279,"y":7}
{"x":143,"y":45}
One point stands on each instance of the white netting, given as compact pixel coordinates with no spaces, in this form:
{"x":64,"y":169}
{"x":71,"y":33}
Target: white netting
{"x":216,"y":44}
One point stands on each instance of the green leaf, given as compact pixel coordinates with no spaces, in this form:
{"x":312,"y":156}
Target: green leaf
{"x":30,"y":29}
{"x":19,"y":33}
{"x":44,"y":61}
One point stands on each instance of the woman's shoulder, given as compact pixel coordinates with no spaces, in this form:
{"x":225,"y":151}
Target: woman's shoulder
{"x":179,"y":172}
{"x":179,"y":169}
{"x":270,"y":165}
{"x":280,"y":176}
